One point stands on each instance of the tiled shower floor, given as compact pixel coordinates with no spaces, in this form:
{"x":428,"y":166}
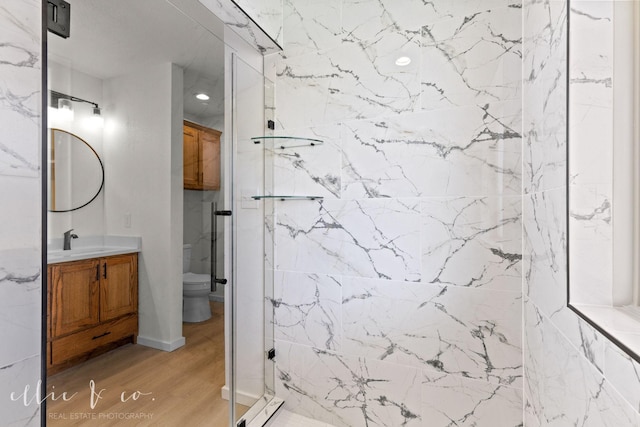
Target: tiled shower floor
{"x":285,"y":418}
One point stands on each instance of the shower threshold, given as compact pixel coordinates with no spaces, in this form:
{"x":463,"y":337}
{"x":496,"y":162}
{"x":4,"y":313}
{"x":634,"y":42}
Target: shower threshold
{"x":285,"y":418}
{"x":262,"y":411}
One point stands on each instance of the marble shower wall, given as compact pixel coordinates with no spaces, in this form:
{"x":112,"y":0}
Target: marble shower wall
{"x":20,"y":275}
{"x":572,"y":374}
{"x":399,"y":295}
{"x":591,"y":150}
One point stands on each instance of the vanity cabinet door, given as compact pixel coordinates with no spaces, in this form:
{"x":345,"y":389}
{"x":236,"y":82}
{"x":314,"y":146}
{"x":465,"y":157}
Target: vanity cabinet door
{"x":118,"y":286}
{"x":75,"y":298}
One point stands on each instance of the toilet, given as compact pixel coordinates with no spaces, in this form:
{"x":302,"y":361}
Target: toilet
{"x":195,"y":291}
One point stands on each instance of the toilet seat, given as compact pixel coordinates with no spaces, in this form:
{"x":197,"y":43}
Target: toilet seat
{"x":196,"y":282}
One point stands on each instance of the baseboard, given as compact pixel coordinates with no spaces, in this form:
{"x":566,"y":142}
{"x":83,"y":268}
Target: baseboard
{"x":161,"y":345}
{"x":216,"y":298}
{"x":246,"y":399}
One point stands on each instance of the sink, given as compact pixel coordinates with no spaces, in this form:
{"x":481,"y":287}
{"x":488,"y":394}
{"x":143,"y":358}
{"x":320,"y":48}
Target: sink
{"x":93,"y":247}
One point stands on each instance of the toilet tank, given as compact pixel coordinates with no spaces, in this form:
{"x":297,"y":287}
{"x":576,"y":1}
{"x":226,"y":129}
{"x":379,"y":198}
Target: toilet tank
{"x":186,"y":258}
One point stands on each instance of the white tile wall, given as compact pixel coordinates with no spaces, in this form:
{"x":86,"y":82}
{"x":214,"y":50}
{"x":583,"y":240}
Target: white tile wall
{"x":20,"y":275}
{"x":406,"y":280}
{"x":573,"y":375}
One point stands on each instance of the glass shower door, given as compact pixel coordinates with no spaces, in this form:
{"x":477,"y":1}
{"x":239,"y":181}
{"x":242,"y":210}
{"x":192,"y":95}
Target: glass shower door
{"x":252,"y":283}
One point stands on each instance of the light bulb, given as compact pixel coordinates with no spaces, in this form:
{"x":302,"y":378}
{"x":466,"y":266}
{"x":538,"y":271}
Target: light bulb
{"x":202,"y":97}
{"x":96,"y":119}
{"x":65,"y":109}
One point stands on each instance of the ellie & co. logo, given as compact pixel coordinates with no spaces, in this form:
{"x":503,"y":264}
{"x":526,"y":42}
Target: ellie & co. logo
{"x":29,"y":397}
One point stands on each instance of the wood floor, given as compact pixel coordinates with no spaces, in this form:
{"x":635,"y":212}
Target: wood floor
{"x":140,"y":386}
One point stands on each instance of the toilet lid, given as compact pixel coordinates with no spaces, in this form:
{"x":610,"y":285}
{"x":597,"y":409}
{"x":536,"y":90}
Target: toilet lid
{"x":195,"y":279}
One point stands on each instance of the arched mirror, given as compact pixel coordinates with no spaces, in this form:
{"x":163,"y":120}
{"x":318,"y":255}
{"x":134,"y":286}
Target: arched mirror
{"x":76,"y":173}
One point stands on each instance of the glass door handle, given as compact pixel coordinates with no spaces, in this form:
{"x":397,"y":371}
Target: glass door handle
{"x":215,"y":213}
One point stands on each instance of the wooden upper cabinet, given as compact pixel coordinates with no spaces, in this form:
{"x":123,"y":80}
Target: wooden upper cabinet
{"x":201,"y":151}
{"x":190,"y":157}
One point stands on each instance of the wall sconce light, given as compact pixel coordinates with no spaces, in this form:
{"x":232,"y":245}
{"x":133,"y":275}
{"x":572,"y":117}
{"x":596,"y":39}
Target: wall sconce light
{"x":65,"y":109}
{"x":97,"y":119}
{"x":64,"y":103}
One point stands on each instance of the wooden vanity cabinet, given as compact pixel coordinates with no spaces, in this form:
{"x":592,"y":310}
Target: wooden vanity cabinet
{"x":201,"y":157}
{"x":93,"y":307}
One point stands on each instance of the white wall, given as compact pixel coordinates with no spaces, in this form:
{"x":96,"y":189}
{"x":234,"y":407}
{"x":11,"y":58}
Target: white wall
{"x":20,"y":231}
{"x":143,"y":161}
{"x":88,"y":221}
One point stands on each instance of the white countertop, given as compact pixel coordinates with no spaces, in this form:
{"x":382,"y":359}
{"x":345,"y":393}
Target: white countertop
{"x":92,"y":247}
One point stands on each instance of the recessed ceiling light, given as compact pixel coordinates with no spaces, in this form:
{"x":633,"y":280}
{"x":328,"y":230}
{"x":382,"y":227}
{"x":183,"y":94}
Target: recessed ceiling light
{"x":403,"y":61}
{"x":202,"y":97}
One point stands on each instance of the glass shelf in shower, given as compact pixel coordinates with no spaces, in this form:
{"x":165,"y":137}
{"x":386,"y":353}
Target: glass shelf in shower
{"x":284,"y":142}
{"x":284,"y":198}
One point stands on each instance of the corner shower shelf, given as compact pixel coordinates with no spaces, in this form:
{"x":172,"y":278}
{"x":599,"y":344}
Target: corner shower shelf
{"x":283,"y":141}
{"x":283,"y":198}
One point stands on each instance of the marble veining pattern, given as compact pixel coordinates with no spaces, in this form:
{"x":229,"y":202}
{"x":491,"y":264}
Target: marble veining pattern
{"x":449,"y":330}
{"x":20,"y":275}
{"x":573,"y":375}
{"x":353,"y":80}
{"x":420,"y":224}
{"x":369,"y":238}
{"x":13,"y":379}
{"x":623,"y":373}
{"x":544,"y":89}
{"x":533,"y":352}
{"x":310,"y":26}
{"x":307,"y":309}
{"x":464,"y":151}
{"x":312,"y":170}
{"x":472,"y":59}
{"x":574,"y":392}
{"x":544,"y":248}
{"x":347,"y":391}
{"x":237,"y":20}
{"x":588,"y":342}
{"x":472,"y":242}
{"x":591,"y":130}
{"x":19,"y":91}
{"x":267,"y":14}
{"x":20,"y":279}
{"x":455,"y":401}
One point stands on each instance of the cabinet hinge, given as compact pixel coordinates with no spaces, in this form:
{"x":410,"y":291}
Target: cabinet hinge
{"x":271,"y":354}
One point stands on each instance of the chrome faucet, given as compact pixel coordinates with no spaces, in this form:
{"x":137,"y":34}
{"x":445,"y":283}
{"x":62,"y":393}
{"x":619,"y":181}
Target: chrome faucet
{"x":67,"y":240}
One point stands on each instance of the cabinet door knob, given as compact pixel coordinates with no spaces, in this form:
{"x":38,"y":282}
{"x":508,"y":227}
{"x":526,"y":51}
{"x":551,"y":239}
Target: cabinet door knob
{"x":97,"y":272}
{"x":104,"y":268}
